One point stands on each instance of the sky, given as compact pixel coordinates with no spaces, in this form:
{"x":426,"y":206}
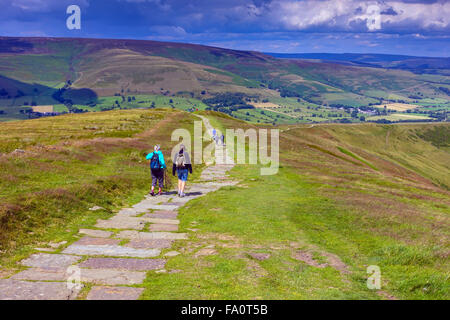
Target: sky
{"x":409,"y":27}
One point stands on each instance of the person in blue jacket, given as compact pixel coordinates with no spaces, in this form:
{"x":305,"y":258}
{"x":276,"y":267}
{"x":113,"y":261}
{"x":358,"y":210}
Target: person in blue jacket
{"x":157,"y":166}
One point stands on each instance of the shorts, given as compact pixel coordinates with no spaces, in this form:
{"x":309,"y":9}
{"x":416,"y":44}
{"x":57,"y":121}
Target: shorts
{"x":158,"y":177}
{"x":183,"y":174}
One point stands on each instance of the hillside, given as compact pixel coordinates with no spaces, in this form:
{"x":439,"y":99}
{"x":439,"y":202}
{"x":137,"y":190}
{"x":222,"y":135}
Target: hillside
{"x":345,"y":197}
{"x":33,"y":69}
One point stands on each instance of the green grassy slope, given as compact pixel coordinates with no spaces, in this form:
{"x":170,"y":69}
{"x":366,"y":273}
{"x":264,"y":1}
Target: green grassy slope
{"x":333,"y":201}
{"x":70,"y":164}
{"x":345,"y":196}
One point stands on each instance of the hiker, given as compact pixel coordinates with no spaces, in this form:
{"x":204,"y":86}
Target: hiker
{"x":182,"y":165}
{"x":222,"y":139}
{"x":214,"y":134}
{"x":157,"y":166}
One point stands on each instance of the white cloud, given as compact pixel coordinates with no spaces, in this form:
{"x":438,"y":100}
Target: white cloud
{"x":347,"y":15}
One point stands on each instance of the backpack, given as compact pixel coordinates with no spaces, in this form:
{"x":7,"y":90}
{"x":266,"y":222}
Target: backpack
{"x":154,"y":162}
{"x":180,"y":160}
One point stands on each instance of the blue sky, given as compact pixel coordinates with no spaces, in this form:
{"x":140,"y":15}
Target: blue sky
{"x":409,"y":27}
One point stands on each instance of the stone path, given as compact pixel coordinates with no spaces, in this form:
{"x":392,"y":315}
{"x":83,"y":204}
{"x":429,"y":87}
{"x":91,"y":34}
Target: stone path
{"x":117,"y":253}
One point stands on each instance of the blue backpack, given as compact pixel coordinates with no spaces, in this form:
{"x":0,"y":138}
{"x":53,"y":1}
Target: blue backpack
{"x":154,"y":163}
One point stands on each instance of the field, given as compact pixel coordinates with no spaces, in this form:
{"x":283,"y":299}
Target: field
{"x":400,"y":116}
{"x":96,"y":70}
{"x":345,"y":197}
{"x":397,"y":106}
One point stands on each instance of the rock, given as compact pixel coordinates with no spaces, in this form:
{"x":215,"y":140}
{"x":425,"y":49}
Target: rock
{"x":45,"y":249}
{"x":95,"y":208}
{"x":171,"y":254}
{"x":56,"y":245}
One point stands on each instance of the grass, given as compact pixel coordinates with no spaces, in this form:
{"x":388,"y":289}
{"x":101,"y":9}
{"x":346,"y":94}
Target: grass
{"x":325,"y":205}
{"x":46,"y":192}
{"x":344,"y":196}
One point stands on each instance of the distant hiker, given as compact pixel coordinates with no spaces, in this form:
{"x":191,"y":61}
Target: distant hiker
{"x":182,"y":165}
{"x":222,"y":139}
{"x":214,"y":134}
{"x":157,"y":166}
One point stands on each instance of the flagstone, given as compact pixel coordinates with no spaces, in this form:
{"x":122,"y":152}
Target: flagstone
{"x":96,"y":233}
{"x":121,"y":222}
{"x":111,"y":250}
{"x":156,"y":243}
{"x":128,"y":212}
{"x":114,"y":293}
{"x":97,"y":241}
{"x":48,"y":260}
{"x":163,"y":227}
{"x":161,"y":215}
{"x":128,"y":234}
{"x":123,"y":264}
{"x":162,"y":221}
{"x":24,"y":290}
{"x":38,"y":274}
{"x":112,"y":277}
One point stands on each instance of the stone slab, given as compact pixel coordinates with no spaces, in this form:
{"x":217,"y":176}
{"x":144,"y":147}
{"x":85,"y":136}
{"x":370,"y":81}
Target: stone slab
{"x":112,"y":277}
{"x":96,"y":233}
{"x":111,"y":250}
{"x":128,"y":234}
{"x":97,"y":241}
{"x":123,"y":264}
{"x":161,"y":215}
{"x":48,"y":260}
{"x":128,"y":212}
{"x":163,"y":207}
{"x":121,"y":222}
{"x":162,"y":221}
{"x":173,"y":203}
{"x":114,"y":293}
{"x":163,"y":227}
{"x":38,"y":274}
{"x":25,"y":290}
{"x":147,"y":244}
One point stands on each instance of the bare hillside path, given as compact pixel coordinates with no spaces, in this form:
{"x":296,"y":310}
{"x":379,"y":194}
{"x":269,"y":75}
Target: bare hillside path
{"x":117,"y":254}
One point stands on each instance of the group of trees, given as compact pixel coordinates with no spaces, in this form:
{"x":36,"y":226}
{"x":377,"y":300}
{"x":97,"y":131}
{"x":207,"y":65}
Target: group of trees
{"x":228,"y":102}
